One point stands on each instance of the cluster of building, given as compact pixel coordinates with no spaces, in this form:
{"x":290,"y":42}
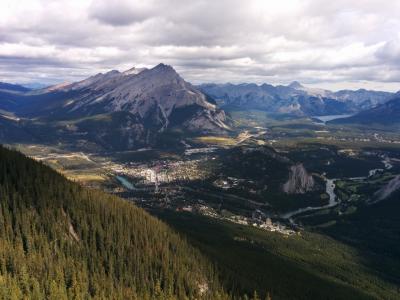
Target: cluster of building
{"x":385,"y":140}
{"x":159,"y":172}
{"x":191,"y":151}
{"x":162,"y":171}
{"x":258,"y":218}
{"x":366,"y":139}
{"x":227,"y":183}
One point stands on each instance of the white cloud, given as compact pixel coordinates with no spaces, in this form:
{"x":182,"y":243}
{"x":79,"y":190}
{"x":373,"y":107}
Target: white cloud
{"x":331,"y":43}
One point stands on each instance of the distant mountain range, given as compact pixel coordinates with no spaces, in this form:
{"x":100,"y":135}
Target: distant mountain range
{"x":384,"y":114}
{"x":9,"y":87}
{"x":8,"y":93}
{"x":121,"y":110}
{"x":293,"y":98}
{"x":132,"y":109}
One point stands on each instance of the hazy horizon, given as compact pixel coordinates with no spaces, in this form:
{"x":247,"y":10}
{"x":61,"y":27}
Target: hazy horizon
{"x":331,"y":87}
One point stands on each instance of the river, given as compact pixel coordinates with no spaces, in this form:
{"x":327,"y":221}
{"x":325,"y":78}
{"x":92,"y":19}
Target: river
{"x":330,"y":190}
{"x":125,"y":182}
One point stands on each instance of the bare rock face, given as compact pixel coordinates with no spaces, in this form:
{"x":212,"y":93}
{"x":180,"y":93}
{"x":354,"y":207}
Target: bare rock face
{"x":127,"y":110}
{"x":299,"y":181}
{"x":207,"y":120}
{"x":295,"y":98}
{"x":392,"y":186}
{"x":158,"y":96}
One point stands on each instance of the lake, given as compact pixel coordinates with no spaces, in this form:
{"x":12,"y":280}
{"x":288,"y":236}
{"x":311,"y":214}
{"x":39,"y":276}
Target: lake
{"x":331,"y":117}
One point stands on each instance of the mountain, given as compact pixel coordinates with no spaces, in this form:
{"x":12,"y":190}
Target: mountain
{"x":158,"y":97}
{"x":383,"y":114}
{"x":361,"y":98}
{"x":35,"y":85}
{"x":296,"y":85}
{"x":9,"y":87}
{"x":293,"y":98}
{"x":133,"y":107}
{"x":61,"y":241}
{"x":12,"y":129}
{"x":9,"y":93}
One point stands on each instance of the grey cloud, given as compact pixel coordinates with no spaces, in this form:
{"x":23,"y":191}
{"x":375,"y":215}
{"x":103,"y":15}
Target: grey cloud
{"x":225,"y":40}
{"x":390,"y":52}
{"x":120,"y":13}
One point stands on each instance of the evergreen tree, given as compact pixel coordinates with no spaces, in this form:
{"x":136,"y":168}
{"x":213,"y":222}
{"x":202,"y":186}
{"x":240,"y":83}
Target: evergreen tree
{"x":62,"y":241}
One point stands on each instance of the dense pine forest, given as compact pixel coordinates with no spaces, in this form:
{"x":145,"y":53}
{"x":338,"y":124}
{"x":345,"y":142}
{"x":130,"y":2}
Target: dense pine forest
{"x":61,"y":241}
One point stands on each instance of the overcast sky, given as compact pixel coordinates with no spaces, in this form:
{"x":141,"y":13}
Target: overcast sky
{"x":332,"y":44}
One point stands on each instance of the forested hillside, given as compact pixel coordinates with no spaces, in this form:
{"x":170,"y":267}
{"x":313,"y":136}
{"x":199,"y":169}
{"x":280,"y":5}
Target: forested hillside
{"x":59,"y":240}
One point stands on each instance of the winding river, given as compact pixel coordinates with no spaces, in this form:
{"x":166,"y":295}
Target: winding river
{"x":333,"y":201}
{"x":330,"y":190}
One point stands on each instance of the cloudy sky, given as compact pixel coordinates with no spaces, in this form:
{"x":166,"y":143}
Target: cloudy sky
{"x":332,"y":44}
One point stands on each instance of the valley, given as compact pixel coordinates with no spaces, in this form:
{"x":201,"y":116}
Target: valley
{"x":199,"y":150}
{"x":194,"y":175}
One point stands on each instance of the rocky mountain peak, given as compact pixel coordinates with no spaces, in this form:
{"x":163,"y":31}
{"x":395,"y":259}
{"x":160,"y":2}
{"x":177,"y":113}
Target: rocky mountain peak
{"x":164,"y":68}
{"x":295,"y":85}
{"x":134,"y":71}
{"x":142,"y":103}
{"x":158,"y":97}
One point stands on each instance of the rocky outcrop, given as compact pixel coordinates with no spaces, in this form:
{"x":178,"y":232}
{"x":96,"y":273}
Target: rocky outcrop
{"x":299,"y":181}
{"x":387,"y":190}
